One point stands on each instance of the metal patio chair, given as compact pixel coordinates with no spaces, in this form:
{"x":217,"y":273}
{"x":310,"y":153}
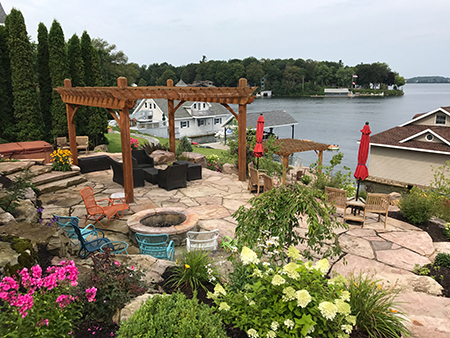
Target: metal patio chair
{"x":64,"y":222}
{"x":203,"y":240}
{"x":157,"y":246}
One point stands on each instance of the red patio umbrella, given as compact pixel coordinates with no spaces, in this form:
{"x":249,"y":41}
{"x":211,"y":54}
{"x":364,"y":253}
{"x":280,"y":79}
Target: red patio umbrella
{"x":259,"y":151}
{"x":361,"y":171}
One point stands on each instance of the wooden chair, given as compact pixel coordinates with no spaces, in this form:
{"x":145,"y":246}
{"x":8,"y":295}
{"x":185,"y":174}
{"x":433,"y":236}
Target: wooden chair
{"x":379,"y":204}
{"x":337,"y":197}
{"x":204,"y":240}
{"x":83,"y":143}
{"x":91,"y":244}
{"x":61,"y":143}
{"x":157,"y":246}
{"x":98,"y":212}
{"x":297,"y":176}
{"x":268,"y":182}
{"x":255,"y":179}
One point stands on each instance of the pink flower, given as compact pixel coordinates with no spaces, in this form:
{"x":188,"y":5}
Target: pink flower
{"x":90,"y":294}
{"x":64,"y":300}
{"x":132,"y":267}
{"x":37,"y":271}
{"x":42,"y":322}
{"x":117,"y":263}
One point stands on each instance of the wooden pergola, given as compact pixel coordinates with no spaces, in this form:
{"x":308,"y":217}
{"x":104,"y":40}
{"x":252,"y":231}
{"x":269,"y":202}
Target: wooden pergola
{"x":122,"y":98}
{"x":289,"y":146}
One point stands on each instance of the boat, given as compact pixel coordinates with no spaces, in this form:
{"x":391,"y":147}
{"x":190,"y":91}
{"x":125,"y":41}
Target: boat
{"x":333,"y":147}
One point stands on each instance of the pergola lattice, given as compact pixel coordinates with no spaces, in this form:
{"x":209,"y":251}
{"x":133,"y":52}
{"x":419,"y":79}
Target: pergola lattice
{"x":123,"y":98}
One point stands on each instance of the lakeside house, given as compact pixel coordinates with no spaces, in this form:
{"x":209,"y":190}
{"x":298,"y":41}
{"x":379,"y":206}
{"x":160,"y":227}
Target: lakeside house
{"x":404,"y":155}
{"x":2,"y":16}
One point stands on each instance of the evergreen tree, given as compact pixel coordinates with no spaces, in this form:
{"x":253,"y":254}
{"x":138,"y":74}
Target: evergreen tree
{"x":6,"y":97}
{"x":27,"y":116}
{"x":45,"y":83}
{"x":58,"y":73}
{"x":76,"y":70}
{"x":98,"y":117}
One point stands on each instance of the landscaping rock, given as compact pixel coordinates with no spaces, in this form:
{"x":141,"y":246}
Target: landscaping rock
{"x":25,"y":212}
{"x":196,"y":158}
{"x":229,"y":169}
{"x":132,"y":307}
{"x":163,"y":157}
{"x":5,"y":217}
{"x":7,"y":255}
{"x":59,"y":244}
{"x":101,"y":148}
{"x":395,"y":198}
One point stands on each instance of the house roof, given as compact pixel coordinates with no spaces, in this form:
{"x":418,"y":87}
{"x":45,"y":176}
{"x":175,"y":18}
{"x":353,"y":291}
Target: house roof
{"x":417,"y":117}
{"x":289,"y":146}
{"x":2,"y":15}
{"x":275,"y":118}
{"x":180,"y":113}
{"x":406,"y":133}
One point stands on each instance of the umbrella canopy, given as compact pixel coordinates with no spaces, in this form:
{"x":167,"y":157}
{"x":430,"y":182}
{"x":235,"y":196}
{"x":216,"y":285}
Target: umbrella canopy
{"x":259,"y":151}
{"x":361,"y":171}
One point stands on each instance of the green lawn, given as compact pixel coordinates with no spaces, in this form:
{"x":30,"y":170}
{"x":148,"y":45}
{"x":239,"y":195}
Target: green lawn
{"x":115,"y":146}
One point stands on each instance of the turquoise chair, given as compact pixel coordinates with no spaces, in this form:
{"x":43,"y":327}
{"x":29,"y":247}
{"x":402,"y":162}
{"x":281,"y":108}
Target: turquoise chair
{"x":157,"y":246}
{"x":115,"y":247}
{"x":90,"y":242}
{"x":64,"y":222}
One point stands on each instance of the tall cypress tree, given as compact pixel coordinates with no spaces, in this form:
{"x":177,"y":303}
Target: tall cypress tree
{"x":44,"y":80}
{"x":27,"y":116}
{"x":6,"y":97}
{"x":76,"y":70}
{"x":58,"y":73}
{"x":98,"y":117}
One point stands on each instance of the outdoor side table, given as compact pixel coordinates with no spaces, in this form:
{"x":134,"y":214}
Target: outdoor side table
{"x":355,"y":205}
{"x":120,"y":197}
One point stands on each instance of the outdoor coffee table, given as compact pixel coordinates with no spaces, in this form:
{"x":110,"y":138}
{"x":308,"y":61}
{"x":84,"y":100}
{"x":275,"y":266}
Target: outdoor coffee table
{"x":121,"y":197}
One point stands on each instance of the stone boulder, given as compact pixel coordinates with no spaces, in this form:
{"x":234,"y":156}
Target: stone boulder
{"x":59,"y":244}
{"x":163,"y":157}
{"x":101,"y":148}
{"x":229,"y":169}
{"x":6,"y":217}
{"x":131,"y":308}
{"x":25,"y":212}
{"x":195,"y":158}
{"x":395,"y":198}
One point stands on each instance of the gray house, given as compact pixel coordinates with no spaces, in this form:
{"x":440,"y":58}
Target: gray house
{"x":404,"y":155}
{"x":2,"y":16}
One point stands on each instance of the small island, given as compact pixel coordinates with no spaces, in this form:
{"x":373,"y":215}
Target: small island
{"x":428,"y":79}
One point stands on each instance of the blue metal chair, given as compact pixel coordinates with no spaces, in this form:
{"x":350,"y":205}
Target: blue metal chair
{"x":115,"y":247}
{"x":91,"y":241}
{"x":64,"y":222}
{"x":157,"y":246}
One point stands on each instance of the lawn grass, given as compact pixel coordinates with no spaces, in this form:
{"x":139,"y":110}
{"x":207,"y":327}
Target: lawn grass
{"x":115,"y":145}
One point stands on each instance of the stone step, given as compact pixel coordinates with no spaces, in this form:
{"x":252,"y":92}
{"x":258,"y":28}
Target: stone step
{"x":52,"y":176}
{"x":7,"y":168}
{"x":61,"y":184}
{"x":33,"y":171}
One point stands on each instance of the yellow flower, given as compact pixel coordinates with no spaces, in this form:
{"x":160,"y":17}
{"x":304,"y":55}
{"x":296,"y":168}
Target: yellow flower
{"x":186,"y":266}
{"x":393,"y":311}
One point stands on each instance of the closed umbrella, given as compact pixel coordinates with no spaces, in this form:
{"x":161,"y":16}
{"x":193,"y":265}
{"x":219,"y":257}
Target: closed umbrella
{"x":259,"y":151}
{"x":361,"y":171}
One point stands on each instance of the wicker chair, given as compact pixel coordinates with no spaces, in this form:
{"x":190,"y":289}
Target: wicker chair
{"x":255,"y":179}
{"x":203,"y":240}
{"x":337,"y":197}
{"x":379,"y":204}
{"x":268,"y":182}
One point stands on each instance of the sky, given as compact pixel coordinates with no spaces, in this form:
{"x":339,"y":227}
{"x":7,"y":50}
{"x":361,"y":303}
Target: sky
{"x":411,"y":36}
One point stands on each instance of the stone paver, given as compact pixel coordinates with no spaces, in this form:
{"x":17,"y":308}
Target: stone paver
{"x":402,"y":258}
{"x":419,"y":242}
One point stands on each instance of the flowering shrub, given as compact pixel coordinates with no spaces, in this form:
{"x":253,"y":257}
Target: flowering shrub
{"x":116,"y":285}
{"x":213,"y":163}
{"x":62,"y":159}
{"x":417,"y":207}
{"x":39,"y":306}
{"x":134,"y":143}
{"x":294,"y":300}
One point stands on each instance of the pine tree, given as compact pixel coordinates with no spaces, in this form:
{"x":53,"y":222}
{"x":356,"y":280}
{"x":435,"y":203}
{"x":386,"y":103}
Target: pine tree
{"x":98,"y":117}
{"x":58,"y":73}
{"x":76,"y":70}
{"x":45,"y":83}
{"x":27,"y":116}
{"x":6,"y":97}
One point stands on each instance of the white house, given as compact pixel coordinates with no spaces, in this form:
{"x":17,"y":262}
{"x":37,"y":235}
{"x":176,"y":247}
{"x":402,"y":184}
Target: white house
{"x":191,"y":118}
{"x":2,"y":15}
{"x":404,"y":155}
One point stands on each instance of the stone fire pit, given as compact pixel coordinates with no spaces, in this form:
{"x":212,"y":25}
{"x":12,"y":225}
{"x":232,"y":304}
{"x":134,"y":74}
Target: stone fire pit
{"x":174,"y":222}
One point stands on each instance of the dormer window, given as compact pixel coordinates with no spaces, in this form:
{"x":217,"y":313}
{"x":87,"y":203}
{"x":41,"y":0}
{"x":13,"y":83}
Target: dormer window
{"x":440,"y":119}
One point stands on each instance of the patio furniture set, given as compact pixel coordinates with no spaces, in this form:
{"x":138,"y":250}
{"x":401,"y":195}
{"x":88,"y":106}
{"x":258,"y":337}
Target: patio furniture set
{"x":82,"y":143}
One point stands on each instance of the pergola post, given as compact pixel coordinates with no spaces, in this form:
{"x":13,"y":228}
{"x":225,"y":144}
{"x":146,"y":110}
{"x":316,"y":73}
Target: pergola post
{"x":70,"y":111}
{"x":127,"y":164}
{"x":242,"y":155}
{"x":171,"y":112}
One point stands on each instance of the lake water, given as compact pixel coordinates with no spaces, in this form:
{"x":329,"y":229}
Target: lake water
{"x":339,"y":120}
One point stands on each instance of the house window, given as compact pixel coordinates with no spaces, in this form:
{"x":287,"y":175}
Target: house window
{"x":218,"y":120}
{"x":195,"y":105}
{"x":204,"y":105}
{"x":184,"y":124}
{"x":440,"y":119}
{"x":145,"y":104}
{"x":429,"y":137}
{"x":201,"y":122}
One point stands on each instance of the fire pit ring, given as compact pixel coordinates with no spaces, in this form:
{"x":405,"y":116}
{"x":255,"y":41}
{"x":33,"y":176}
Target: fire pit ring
{"x":175,"y":222}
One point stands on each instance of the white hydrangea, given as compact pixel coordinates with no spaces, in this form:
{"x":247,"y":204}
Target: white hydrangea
{"x":289,"y":324}
{"x":248,"y":256}
{"x":274,"y":326}
{"x":303,"y":298}
{"x":252,"y":333}
{"x":328,"y":310}
{"x":278,"y":280}
{"x":323,"y":265}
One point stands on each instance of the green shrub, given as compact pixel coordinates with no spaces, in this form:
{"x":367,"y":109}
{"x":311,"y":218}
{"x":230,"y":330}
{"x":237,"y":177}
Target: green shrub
{"x":446,"y":230}
{"x":443,"y":259}
{"x":15,"y":192}
{"x":213,"y":163}
{"x":151,"y":147}
{"x":194,"y":269}
{"x":417,"y":207}
{"x":306,"y":179}
{"x":375,"y":308}
{"x":173,"y":316}
{"x":116,"y":286}
{"x":184,"y":146}
{"x":294,"y":300}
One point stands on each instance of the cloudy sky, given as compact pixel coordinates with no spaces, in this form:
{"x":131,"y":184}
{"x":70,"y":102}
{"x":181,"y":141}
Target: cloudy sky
{"x":411,"y":36}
